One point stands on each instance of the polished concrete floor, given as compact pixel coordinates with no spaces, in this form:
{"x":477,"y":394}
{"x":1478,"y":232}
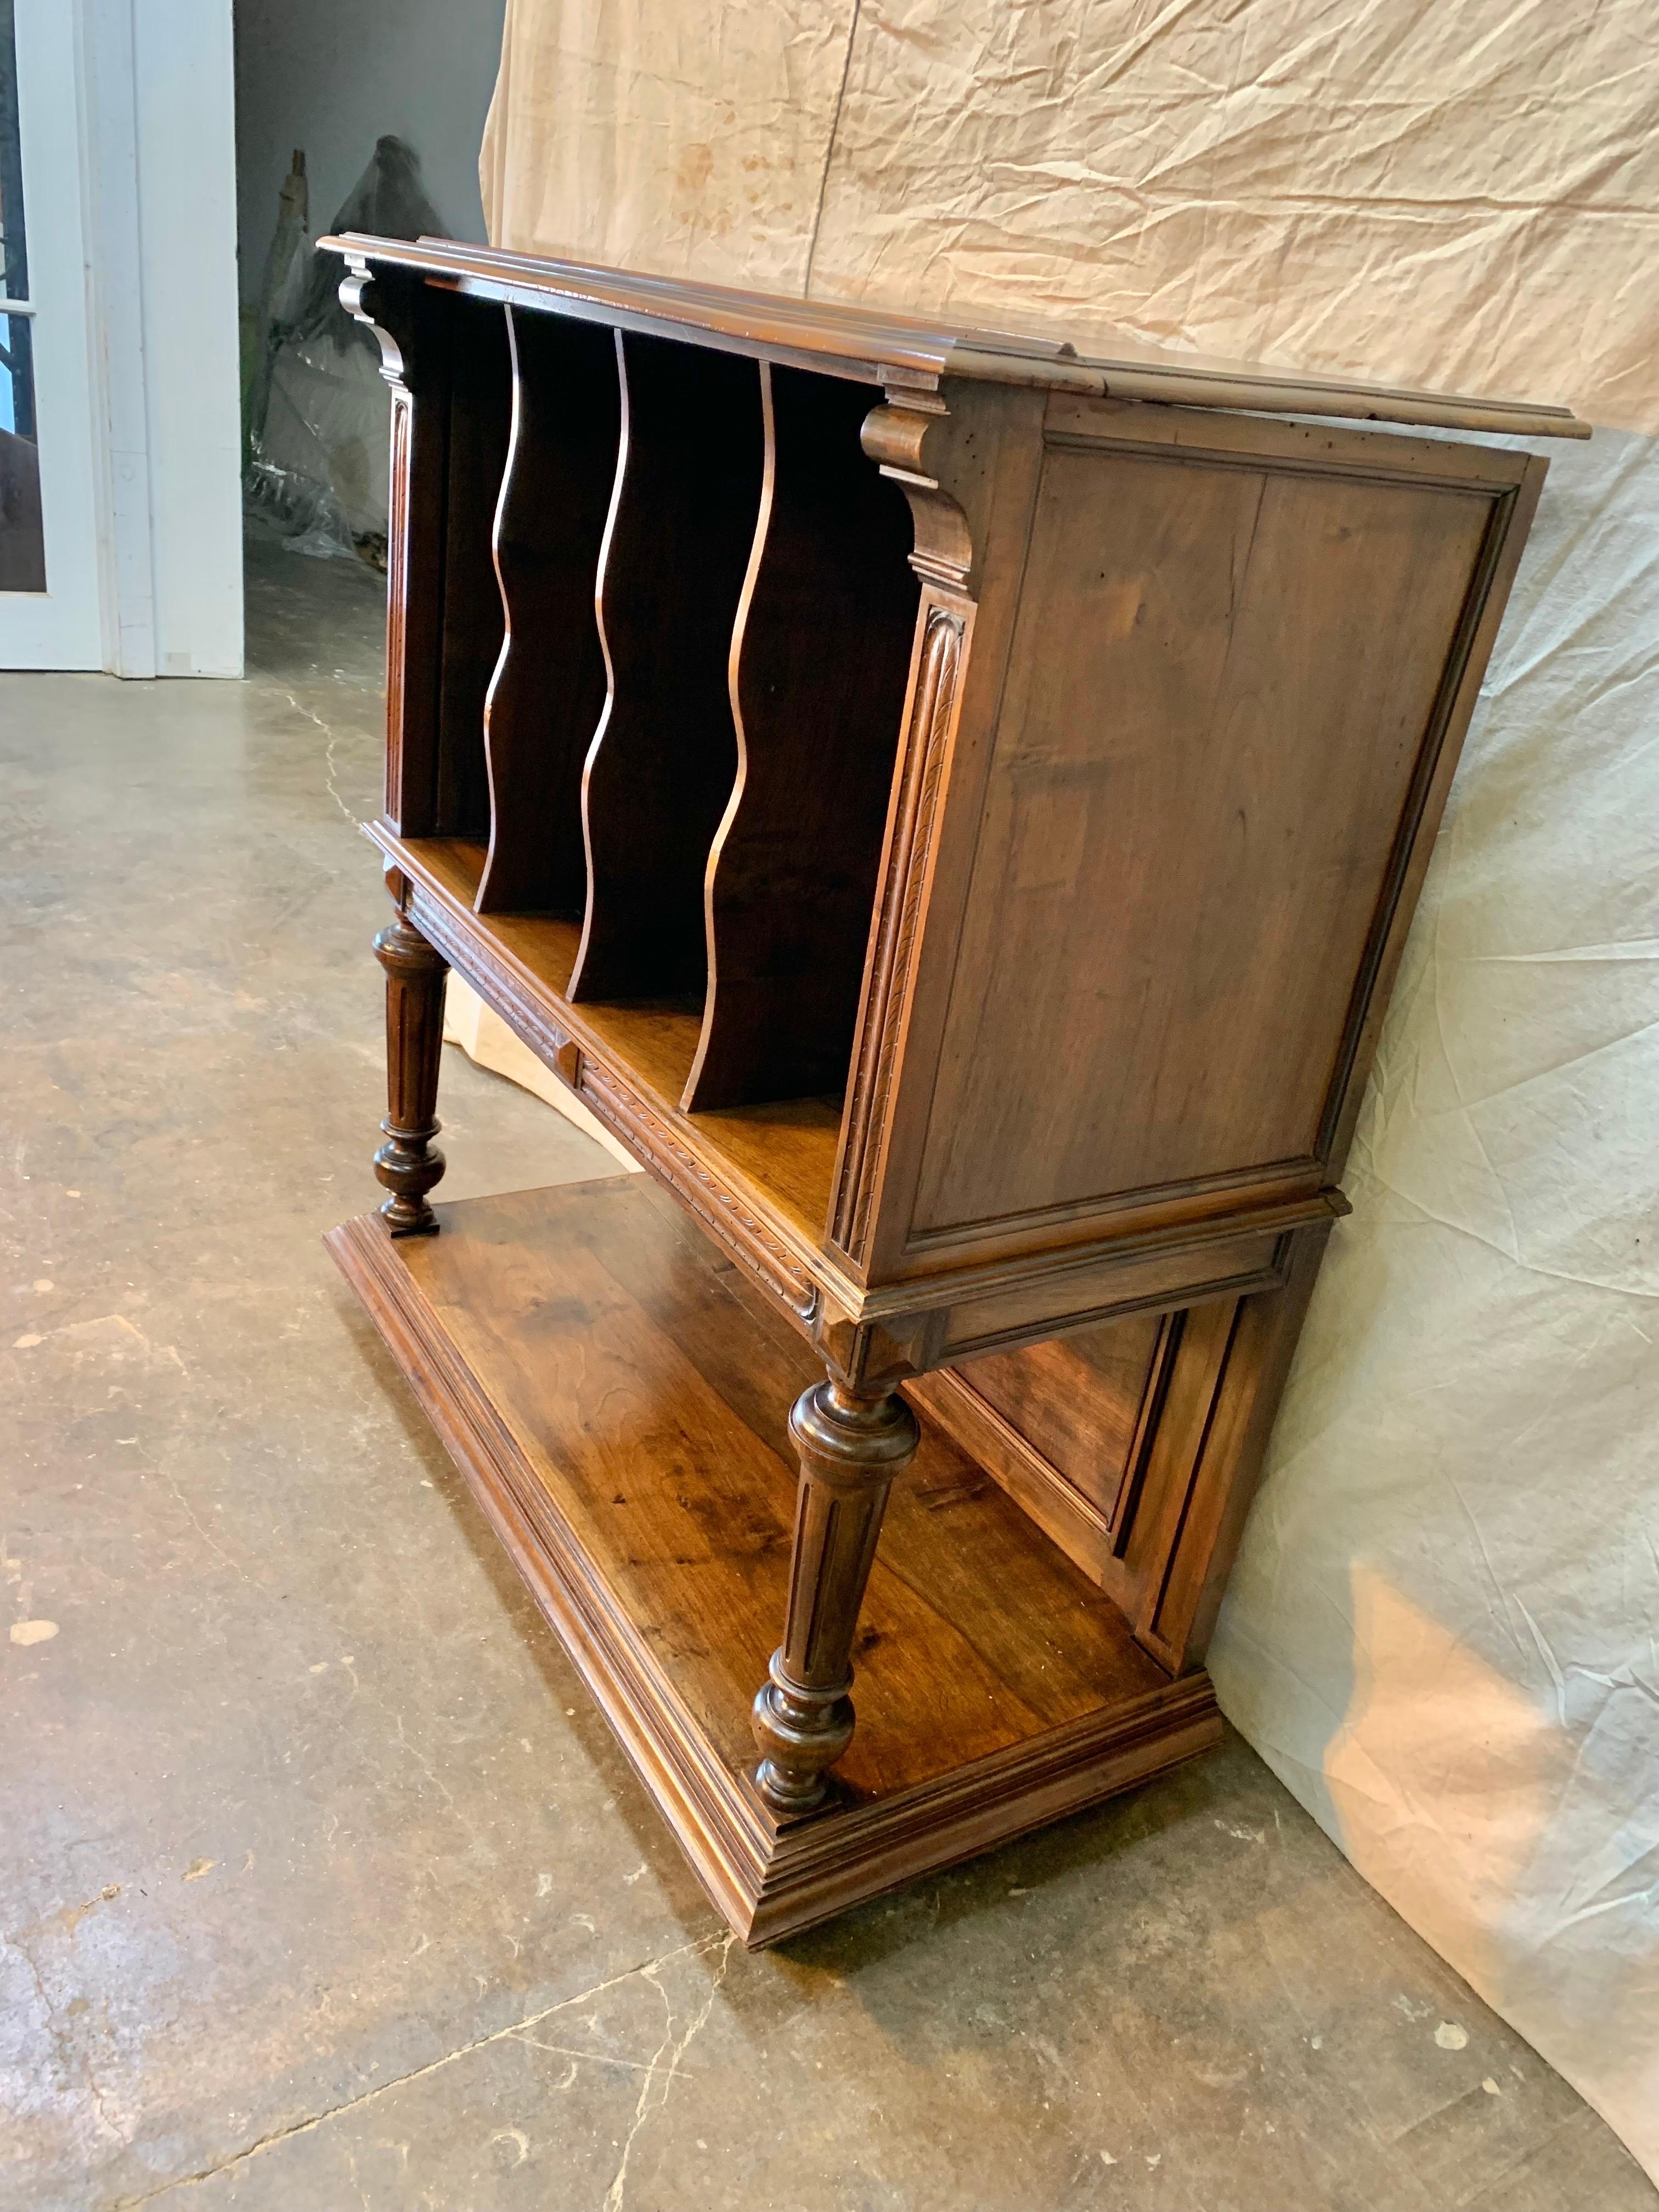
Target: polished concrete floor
{"x":323,"y":1886}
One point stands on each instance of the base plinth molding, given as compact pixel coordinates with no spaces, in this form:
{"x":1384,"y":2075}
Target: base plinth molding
{"x":618,"y":1399}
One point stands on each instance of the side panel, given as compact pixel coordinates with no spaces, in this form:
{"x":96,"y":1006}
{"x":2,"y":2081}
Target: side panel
{"x":1064,"y":1428}
{"x":1137,"y":1446}
{"x":1077,"y":1400}
{"x":1237,"y":680}
{"x":447,"y":363}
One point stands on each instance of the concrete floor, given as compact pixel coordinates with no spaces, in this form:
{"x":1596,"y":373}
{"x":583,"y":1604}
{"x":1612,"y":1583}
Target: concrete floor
{"x":323,"y":1886}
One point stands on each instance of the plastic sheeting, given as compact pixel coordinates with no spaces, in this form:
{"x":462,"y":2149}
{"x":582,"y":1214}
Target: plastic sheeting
{"x":316,"y":473}
{"x":1441,"y":1632}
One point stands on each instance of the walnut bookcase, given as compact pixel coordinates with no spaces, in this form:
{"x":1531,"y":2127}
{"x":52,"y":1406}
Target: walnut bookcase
{"x":953,"y":806}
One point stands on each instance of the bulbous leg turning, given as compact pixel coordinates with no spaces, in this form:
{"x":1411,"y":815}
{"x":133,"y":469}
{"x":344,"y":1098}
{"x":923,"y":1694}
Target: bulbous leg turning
{"x":408,"y":1163}
{"x":851,"y":1449}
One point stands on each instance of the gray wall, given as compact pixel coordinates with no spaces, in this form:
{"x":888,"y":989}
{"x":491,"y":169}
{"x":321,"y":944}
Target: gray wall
{"x":332,"y":75}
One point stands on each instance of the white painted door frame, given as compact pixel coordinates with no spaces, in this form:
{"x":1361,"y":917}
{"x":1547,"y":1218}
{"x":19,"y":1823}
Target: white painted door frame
{"x":109,"y":144}
{"x":60,"y":626}
{"x":134,"y":207}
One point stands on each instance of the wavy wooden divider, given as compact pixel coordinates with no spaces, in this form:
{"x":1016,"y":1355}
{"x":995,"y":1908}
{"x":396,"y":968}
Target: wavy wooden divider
{"x":549,"y":687}
{"x":662,"y":764}
{"x":820,"y":657}
{"x":480,"y":408}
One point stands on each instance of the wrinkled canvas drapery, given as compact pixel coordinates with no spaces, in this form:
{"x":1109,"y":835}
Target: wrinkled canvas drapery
{"x":1441,"y":1629}
{"x":1465,"y":198}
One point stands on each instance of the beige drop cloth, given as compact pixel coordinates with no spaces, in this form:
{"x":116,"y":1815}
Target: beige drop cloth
{"x":1460,"y":195}
{"x":1442,"y":1632}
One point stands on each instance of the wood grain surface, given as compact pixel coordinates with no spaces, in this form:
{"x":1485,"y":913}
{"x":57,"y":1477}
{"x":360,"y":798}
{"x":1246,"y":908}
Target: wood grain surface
{"x":652,"y":1388}
{"x":621,"y":1394}
{"x":1175,"y":889}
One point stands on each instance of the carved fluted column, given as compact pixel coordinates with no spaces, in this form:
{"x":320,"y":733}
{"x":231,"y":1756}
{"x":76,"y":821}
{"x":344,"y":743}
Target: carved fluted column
{"x":408,"y":1162}
{"x":851,"y":1448}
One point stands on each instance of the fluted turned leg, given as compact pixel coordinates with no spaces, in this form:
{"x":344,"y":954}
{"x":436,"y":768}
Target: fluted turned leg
{"x":851,"y":1448}
{"x":408,"y":1162}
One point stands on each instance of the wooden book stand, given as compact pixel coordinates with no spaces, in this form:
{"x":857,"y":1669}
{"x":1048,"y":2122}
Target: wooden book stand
{"x":953,"y":806}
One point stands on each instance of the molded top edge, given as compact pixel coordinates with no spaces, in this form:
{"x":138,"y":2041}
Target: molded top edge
{"x":879,"y":344}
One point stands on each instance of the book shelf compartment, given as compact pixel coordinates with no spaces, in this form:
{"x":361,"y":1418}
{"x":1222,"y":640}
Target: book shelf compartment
{"x":667,"y":797}
{"x":820,"y":660}
{"x":784,"y":1149}
{"x":442,"y":788}
{"x":548,"y":688}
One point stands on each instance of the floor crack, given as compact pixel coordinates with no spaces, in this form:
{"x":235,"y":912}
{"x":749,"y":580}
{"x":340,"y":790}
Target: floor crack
{"x":644,"y":2107}
{"x":190,"y":1514}
{"x":329,"y":769}
{"x":648,"y":1968}
{"x":63,"y":2042}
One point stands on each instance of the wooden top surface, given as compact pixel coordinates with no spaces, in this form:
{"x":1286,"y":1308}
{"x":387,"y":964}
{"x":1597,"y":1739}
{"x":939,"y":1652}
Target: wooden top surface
{"x":877,"y":344}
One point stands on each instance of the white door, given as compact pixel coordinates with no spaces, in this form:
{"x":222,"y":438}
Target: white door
{"x":49,"y":581}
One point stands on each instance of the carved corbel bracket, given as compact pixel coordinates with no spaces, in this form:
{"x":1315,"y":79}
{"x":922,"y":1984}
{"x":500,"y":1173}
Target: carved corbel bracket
{"x":354,"y":285}
{"x":895,"y":436}
{"x":387,"y":307}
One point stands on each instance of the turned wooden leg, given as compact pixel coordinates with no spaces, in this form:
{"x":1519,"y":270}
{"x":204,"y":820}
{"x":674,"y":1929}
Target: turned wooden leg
{"x":408,"y":1163}
{"x":851,"y":1448}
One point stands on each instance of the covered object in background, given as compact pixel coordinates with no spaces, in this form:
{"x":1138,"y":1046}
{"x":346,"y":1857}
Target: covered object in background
{"x":1441,"y":1629}
{"x":315,"y":405}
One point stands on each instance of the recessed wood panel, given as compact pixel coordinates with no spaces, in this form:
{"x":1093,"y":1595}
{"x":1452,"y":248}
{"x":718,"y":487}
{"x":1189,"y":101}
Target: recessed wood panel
{"x":1222,"y":682}
{"x":1077,"y":1401}
{"x":1064,"y":1428}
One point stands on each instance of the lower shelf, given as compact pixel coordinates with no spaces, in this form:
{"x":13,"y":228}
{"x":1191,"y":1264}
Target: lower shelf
{"x":616,"y":1396}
